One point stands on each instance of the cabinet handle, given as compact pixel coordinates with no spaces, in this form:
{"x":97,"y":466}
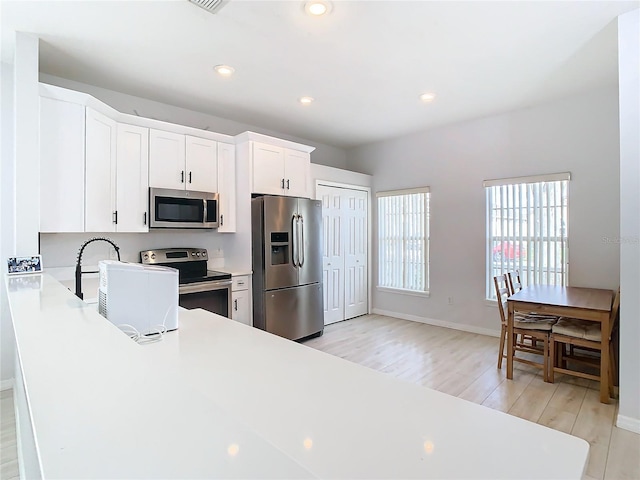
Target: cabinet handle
{"x":115,"y":217}
{"x":282,"y":183}
{"x":144,"y":218}
{"x":235,"y":304}
{"x":221,"y":220}
{"x":182,"y":176}
{"x":287,"y":184}
{"x":189,"y":177}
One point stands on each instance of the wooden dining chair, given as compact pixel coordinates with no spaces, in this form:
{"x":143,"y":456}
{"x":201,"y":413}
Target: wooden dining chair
{"x":515,"y":284}
{"x":585,"y":335}
{"x":536,"y":326}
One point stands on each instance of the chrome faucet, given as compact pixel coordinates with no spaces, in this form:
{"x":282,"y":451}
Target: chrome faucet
{"x":79,"y":271}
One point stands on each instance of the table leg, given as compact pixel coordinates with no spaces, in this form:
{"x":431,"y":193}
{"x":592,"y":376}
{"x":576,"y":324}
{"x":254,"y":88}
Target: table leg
{"x":604,"y":361}
{"x":510,"y":340}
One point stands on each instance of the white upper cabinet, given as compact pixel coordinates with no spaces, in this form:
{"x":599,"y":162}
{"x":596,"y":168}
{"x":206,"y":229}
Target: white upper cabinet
{"x":182,"y":162}
{"x":297,"y":172}
{"x":132,"y":178}
{"x":201,"y":164}
{"x":100,"y":177}
{"x":268,"y":169}
{"x":117,"y":179}
{"x":279,"y":171}
{"x":61,"y":166}
{"x":166,"y":160}
{"x":227,"y":187}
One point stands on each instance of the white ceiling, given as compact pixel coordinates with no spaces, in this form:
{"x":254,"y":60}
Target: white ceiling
{"x":365,"y":63}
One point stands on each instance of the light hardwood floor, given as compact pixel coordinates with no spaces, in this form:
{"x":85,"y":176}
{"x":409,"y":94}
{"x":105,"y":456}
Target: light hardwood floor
{"x":460,"y":364}
{"x":465,"y":365}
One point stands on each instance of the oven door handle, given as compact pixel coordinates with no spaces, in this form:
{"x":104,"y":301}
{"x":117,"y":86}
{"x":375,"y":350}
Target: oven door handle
{"x":204,"y":286}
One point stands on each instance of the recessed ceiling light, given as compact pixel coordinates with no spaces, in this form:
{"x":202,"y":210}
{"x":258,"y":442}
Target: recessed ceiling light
{"x":224,"y":70}
{"x":306,"y":100}
{"x":317,"y":7}
{"x":427,"y":97}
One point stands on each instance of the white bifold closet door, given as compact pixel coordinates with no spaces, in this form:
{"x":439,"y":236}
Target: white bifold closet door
{"x":344,"y":256}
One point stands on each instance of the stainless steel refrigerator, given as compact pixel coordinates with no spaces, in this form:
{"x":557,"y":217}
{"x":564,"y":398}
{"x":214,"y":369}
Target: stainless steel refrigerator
{"x":287,"y":266}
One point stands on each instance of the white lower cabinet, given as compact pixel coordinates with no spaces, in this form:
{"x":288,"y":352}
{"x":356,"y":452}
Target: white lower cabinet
{"x":241,"y":300}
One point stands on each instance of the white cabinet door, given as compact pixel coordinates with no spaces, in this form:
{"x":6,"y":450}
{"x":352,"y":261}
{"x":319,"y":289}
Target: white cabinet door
{"x":332,"y":254}
{"x":355,"y":248}
{"x":227,"y":187}
{"x":62,"y":131}
{"x":240,"y":307}
{"x":297,"y":173}
{"x":267,"y":169}
{"x":100,"y":177}
{"x":201,"y":167}
{"x":132,"y":178}
{"x":166,"y":160}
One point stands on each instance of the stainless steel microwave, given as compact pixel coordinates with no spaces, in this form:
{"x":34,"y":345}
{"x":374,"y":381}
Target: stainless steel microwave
{"x":182,"y":209}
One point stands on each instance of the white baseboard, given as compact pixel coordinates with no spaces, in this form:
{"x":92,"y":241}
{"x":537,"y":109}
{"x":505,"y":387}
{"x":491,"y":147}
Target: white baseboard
{"x":628,"y":423}
{"x":6,"y":384}
{"x":439,"y":323}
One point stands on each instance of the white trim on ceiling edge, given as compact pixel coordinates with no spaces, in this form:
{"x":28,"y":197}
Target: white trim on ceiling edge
{"x":6,"y":384}
{"x":628,"y":423}
{"x":439,"y":323}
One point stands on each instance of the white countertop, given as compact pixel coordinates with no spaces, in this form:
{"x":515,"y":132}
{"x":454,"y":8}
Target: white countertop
{"x":219,"y":399}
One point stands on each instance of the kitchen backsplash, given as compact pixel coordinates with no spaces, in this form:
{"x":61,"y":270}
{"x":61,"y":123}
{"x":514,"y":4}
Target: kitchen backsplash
{"x":60,"y":250}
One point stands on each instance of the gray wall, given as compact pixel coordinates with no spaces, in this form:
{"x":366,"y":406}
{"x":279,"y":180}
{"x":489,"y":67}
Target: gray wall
{"x":577,"y":134}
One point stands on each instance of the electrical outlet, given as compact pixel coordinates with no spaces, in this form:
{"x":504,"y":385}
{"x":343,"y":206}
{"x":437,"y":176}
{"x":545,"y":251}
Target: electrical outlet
{"x":450,"y":300}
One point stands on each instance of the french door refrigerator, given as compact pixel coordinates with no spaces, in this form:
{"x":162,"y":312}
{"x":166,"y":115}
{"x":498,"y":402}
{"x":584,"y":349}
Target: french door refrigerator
{"x":287,"y":266}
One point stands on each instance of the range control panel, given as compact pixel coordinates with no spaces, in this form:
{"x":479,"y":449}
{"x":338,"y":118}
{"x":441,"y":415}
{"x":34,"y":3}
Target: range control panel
{"x":173,"y":255}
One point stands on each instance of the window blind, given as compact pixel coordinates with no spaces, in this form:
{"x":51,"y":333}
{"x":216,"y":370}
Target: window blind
{"x":527,"y":229}
{"x":403,"y":239}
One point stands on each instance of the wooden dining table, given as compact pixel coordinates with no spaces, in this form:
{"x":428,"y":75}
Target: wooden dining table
{"x":590,"y":304}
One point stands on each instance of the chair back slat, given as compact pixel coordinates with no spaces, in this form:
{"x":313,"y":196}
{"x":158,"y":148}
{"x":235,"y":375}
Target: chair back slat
{"x":501,"y":283}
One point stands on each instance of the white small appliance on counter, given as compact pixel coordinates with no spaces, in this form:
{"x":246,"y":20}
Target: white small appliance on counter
{"x":142,"y":296}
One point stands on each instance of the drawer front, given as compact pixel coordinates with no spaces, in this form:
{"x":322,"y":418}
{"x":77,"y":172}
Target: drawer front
{"x":241,"y":282}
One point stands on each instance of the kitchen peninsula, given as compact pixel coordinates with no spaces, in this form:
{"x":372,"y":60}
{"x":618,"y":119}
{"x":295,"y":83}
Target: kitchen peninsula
{"x":219,"y":399}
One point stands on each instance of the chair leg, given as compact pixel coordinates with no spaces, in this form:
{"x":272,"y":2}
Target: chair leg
{"x":545,"y":374}
{"x":552,"y":356}
{"x":503,"y":334}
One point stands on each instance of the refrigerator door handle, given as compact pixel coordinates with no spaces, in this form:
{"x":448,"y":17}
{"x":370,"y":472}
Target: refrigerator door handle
{"x":294,"y":239}
{"x":301,"y":244}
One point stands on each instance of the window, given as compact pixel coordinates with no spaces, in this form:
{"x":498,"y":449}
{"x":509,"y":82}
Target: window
{"x":403,"y":239}
{"x":527,"y":229}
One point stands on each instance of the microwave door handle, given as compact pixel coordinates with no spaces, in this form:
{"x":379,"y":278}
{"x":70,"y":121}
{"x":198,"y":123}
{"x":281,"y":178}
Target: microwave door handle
{"x":204,"y":210}
{"x":294,"y":233}
{"x":301,"y":245}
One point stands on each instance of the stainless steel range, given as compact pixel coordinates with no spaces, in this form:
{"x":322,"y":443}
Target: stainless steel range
{"x":198,"y":287}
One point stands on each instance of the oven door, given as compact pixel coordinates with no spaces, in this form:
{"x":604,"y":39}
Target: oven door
{"x":214,"y":296}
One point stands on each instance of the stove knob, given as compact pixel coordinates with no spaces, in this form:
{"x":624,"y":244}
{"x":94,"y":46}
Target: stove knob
{"x":146,"y":256}
{"x":197,"y":254}
{"x":193,"y":254}
{"x":153,"y":256}
{"x":204,"y":254}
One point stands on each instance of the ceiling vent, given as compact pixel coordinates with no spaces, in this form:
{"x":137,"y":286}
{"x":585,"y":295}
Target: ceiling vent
{"x":211,"y":6}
